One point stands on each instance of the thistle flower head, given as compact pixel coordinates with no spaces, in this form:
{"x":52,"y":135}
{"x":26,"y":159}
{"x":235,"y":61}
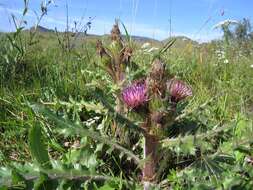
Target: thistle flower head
{"x":178,"y":89}
{"x":135,"y":94}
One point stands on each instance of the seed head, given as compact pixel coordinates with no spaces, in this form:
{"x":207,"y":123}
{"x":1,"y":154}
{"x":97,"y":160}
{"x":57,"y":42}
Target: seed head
{"x":126,"y":55}
{"x":115,"y":33}
{"x":100,"y":49}
{"x":135,"y":94}
{"x":157,"y":117}
{"x":157,"y":70}
{"x":178,"y":89}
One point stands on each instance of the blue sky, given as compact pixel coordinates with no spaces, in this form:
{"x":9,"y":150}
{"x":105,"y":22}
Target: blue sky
{"x":192,"y":18}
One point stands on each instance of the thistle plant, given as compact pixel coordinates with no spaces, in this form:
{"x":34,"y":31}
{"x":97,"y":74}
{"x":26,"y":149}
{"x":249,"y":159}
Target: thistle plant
{"x":63,"y":120}
{"x":160,"y":95}
{"x":153,"y":97}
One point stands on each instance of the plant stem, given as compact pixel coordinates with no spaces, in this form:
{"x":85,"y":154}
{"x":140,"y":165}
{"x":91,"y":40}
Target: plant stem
{"x":150,"y":156}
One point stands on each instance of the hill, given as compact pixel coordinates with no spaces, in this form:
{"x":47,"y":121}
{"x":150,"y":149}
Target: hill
{"x":41,"y":29}
{"x":181,"y":41}
{"x":140,"y":39}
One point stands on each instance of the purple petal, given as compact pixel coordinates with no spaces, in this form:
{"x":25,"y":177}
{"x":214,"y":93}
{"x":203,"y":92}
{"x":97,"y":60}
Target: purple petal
{"x":135,"y":94}
{"x":179,"y":90}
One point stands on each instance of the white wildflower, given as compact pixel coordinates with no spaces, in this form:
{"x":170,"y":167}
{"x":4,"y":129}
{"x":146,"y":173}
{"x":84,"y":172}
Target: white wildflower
{"x":225,"y":23}
{"x":145,"y":45}
{"x":226,"y":61}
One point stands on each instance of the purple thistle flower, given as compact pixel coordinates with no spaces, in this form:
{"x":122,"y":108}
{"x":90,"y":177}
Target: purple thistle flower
{"x":135,"y":94}
{"x":178,"y":89}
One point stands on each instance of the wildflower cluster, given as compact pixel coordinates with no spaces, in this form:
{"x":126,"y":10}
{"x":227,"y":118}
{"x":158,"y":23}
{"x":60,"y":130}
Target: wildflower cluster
{"x":221,"y":56}
{"x":157,"y":91}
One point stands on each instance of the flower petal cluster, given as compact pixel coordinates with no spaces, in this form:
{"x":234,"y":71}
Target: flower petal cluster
{"x":179,"y":90}
{"x":135,"y":94}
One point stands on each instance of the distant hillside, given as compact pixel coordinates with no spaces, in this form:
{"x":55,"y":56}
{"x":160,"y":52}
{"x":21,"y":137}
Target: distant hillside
{"x":41,"y":29}
{"x":144,"y":39}
{"x":181,"y":41}
{"x":140,"y":39}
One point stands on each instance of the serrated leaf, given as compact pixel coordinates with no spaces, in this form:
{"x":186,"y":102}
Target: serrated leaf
{"x":16,"y":177}
{"x":168,"y":142}
{"x":19,"y":180}
{"x":44,"y":183}
{"x":37,"y":147}
{"x":68,"y":128}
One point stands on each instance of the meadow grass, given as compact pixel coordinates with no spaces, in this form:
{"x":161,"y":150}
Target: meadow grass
{"x":48,"y":74}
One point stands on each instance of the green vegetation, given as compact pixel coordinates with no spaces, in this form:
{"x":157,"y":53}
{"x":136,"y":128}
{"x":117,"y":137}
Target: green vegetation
{"x":59,"y":128}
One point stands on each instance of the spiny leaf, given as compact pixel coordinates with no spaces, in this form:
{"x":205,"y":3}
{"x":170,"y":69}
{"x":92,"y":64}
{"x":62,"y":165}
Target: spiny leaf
{"x":168,"y":142}
{"x":16,"y":177}
{"x":37,"y":146}
{"x":207,"y":164}
{"x":200,"y":107}
{"x":45,"y":183}
{"x":72,"y":128}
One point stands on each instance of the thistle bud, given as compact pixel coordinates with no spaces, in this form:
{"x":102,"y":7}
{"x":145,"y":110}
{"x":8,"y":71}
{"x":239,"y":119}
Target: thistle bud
{"x":157,"y":70}
{"x":135,"y":94}
{"x":115,"y":33}
{"x":156,"y":79}
{"x":158,"y":117}
{"x":106,"y":59}
{"x":100,"y":49}
{"x":178,"y":90}
{"x":126,"y":55}
{"x":116,"y":45}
